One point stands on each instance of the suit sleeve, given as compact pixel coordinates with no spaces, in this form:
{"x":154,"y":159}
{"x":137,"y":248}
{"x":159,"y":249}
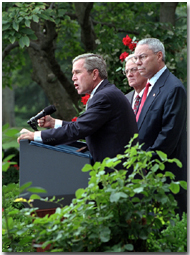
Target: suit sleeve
{"x":173,"y":122}
{"x":98,"y":113}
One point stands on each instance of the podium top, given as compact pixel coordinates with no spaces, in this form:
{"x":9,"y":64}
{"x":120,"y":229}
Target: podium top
{"x":63,"y":148}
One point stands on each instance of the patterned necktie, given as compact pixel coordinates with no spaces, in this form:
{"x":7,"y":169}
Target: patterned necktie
{"x":137,"y":99}
{"x":143,"y":100}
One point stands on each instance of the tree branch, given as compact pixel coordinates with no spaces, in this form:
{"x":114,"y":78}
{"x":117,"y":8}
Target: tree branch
{"x":10,"y":47}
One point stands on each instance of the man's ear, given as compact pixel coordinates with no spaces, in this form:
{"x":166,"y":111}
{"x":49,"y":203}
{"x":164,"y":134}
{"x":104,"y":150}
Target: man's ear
{"x":95,"y":74}
{"x":159,"y":55}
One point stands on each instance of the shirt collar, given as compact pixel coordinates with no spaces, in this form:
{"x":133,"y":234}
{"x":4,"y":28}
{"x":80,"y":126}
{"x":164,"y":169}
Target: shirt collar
{"x":94,"y":90}
{"x":140,"y":94}
{"x":154,"y":79}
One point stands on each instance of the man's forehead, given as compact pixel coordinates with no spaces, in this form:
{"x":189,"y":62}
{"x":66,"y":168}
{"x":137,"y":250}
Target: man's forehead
{"x":142,"y":49}
{"x":78,"y":64}
{"x":130,"y":64}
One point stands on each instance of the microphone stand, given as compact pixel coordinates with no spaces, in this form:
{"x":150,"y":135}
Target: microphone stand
{"x":33,"y":124}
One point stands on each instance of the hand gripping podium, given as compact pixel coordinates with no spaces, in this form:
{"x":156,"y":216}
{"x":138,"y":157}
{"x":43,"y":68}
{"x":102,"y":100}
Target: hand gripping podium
{"x":57,"y":169}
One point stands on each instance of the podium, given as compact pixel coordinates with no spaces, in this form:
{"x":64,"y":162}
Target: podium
{"x":57,"y":169}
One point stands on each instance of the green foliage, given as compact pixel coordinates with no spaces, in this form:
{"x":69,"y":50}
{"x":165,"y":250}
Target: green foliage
{"x":124,"y":216}
{"x":16,"y":21}
{"x":173,"y":238}
{"x":9,"y":136}
{"x":110,"y":26}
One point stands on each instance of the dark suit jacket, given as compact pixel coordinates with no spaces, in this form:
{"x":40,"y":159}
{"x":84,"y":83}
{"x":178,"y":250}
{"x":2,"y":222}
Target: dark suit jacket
{"x":108,"y":124}
{"x":162,"y":122}
{"x":130,"y":96}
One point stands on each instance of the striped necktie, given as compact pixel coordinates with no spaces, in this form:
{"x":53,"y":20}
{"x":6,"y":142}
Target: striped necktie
{"x":137,"y":99}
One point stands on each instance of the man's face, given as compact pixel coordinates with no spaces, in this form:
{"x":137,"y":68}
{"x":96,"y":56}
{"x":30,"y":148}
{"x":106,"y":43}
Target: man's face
{"x":147,"y":61}
{"x":83,"y":80}
{"x":135,"y":80}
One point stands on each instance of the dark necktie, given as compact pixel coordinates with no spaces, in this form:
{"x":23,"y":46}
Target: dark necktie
{"x":143,"y":100}
{"x":137,"y":99}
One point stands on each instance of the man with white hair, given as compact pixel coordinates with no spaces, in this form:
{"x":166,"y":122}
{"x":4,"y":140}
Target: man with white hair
{"x":162,"y":114}
{"x":135,"y":80}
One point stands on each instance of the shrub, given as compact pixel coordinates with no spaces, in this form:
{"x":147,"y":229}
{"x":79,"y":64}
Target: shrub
{"x":120,"y":217}
{"x":124,"y":216}
{"x":173,"y":238}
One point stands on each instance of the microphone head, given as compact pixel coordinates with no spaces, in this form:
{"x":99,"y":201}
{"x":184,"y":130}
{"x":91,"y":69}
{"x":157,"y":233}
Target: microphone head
{"x":49,"y":109}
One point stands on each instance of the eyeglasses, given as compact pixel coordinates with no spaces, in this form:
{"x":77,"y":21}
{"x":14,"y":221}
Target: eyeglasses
{"x":142,"y":57}
{"x":132,"y":70}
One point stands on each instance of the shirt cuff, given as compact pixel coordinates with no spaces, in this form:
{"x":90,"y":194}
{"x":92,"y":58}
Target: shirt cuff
{"x":37,"y":136}
{"x":58,"y":123}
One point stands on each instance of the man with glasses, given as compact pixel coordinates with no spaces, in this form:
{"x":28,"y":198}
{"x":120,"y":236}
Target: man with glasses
{"x":108,"y":124}
{"x":162,"y":114}
{"x":135,"y":80}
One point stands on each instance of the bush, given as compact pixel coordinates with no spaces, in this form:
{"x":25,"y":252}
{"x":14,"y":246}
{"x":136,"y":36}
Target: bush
{"x":123,"y":216}
{"x":173,"y":238}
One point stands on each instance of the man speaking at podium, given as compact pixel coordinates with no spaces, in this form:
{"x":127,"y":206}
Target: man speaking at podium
{"x":108,"y":123}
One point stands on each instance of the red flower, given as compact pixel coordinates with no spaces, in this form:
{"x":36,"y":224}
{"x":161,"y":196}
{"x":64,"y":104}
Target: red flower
{"x":2,"y":209}
{"x":123,"y":56}
{"x":132,"y":46}
{"x":127,"y":40}
{"x":74,"y":119}
{"x":85,"y":99}
{"x":16,"y":166}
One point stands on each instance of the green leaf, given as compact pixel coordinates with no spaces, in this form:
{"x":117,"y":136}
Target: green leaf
{"x":5,"y":26}
{"x":138,"y":190}
{"x":174,"y":187}
{"x":87,"y":168}
{"x":25,"y":185}
{"x":12,"y":39}
{"x":129,"y":247}
{"x":5,"y":166}
{"x":79,"y":193}
{"x":105,"y":234}
{"x":35,"y":18}
{"x":34,"y":196}
{"x":15,"y":26}
{"x":21,"y":42}
{"x":26,"y":41}
{"x":169,"y":174}
{"x":162,"y":155}
{"x":8,"y":158}
{"x":5,"y":127}
{"x":11,"y":132}
{"x":178,"y":163}
{"x":114,"y":197}
{"x":183,"y":184}
{"x":27,"y":23}
{"x":36,"y":190}
{"x":33,"y":37}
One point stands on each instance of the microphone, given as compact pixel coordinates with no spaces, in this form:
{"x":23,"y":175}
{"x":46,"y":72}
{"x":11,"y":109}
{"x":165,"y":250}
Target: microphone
{"x":46,"y":111}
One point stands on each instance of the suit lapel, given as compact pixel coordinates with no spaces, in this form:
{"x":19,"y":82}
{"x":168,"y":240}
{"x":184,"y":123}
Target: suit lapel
{"x":152,"y":97}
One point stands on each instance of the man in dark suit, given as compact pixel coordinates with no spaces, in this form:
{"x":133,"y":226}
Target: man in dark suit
{"x":135,"y":80}
{"x":162,"y":119}
{"x":108,"y":124}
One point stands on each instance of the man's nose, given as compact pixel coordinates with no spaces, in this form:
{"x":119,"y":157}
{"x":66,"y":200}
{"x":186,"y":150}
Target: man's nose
{"x":73,"y":77}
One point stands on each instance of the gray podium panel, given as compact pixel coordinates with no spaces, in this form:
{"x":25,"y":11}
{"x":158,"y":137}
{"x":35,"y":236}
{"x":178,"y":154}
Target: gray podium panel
{"x":57,"y":169}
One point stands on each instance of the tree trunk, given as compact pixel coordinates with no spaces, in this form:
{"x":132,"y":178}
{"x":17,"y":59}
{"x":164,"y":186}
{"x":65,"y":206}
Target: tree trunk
{"x":8,"y":103}
{"x":47,"y":72}
{"x":167,"y":12}
{"x":87,"y":31}
{"x":56,"y":94}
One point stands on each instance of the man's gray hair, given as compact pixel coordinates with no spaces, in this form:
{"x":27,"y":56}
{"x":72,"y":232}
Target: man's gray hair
{"x":154,"y":44}
{"x":130,"y":57}
{"x":93,"y":61}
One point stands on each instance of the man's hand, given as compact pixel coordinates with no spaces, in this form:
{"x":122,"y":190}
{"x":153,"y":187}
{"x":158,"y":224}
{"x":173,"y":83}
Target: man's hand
{"x":25,"y":134}
{"x":46,"y":122}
